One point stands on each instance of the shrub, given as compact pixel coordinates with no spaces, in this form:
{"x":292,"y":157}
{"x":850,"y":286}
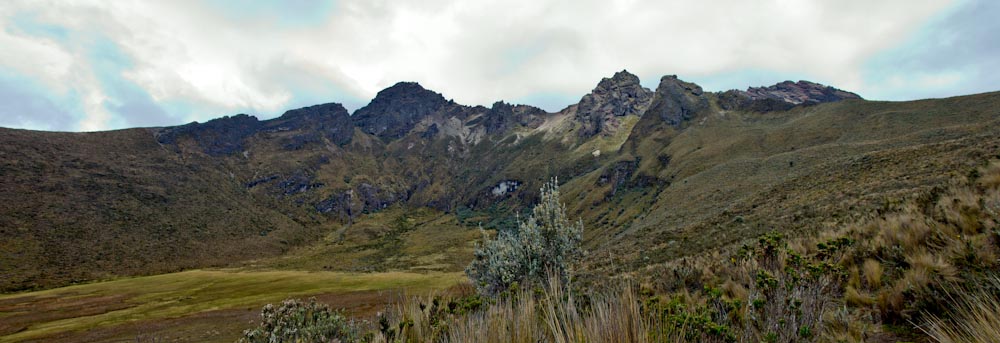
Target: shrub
{"x":298,"y":321}
{"x":546,"y":242}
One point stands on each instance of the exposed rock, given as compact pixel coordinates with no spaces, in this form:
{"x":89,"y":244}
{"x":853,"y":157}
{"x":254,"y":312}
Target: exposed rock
{"x":298,"y":182}
{"x":375,"y":198}
{"x":676,"y":101}
{"x":782,"y":96}
{"x":217,"y":137}
{"x":802,"y":92}
{"x":505,"y":187}
{"x":618,"y":96}
{"x":226,"y":135}
{"x":347,"y":205}
{"x":298,"y":142}
{"x":330,"y":120}
{"x":339,"y":205}
{"x":397,"y":109}
{"x":431,"y":132}
{"x":255,"y":183}
{"x":617,"y":175}
{"x":503,"y":116}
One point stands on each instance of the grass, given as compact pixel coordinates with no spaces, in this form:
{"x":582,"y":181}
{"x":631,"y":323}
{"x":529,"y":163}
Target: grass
{"x":396,"y":238}
{"x":160,"y":297}
{"x":975,"y":316}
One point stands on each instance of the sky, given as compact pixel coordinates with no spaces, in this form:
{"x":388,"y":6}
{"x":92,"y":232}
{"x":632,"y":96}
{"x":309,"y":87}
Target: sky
{"x":103,"y":65}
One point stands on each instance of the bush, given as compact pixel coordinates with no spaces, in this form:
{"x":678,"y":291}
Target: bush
{"x":546,"y":242}
{"x":297,"y":321}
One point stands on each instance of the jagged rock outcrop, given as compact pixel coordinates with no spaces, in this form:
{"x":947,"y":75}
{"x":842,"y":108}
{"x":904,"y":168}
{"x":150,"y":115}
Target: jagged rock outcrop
{"x":503,"y":116}
{"x":618,"y":96}
{"x":802,"y":92}
{"x":397,"y":109}
{"x":676,"y":101}
{"x":782,"y":96}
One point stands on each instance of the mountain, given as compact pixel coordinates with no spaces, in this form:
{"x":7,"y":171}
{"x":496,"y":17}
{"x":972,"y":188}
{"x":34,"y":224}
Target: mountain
{"x":403,"y":182}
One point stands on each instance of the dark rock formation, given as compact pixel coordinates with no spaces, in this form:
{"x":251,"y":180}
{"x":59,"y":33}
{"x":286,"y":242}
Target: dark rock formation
{"x":365,"y":198}
{"x":217,"y":137}
{"x":339,"y":205}
{"x":298,"y":182}
{"x":397,"y":109}
{"x":618,"y":96}
{"x":676,"y":101}
{"x":503,"y":116}
{"x":328,"y":120}
{"x":618,"y":175}
{"x":226,"y":135}
{"x":255,"y":183}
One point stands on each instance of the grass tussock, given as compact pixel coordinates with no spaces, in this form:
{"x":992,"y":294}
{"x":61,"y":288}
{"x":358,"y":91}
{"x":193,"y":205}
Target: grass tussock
{"x":975,"y":317}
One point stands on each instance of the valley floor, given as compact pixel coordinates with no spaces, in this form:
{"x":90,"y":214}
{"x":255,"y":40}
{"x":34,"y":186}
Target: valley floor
{"x":196,"y":305}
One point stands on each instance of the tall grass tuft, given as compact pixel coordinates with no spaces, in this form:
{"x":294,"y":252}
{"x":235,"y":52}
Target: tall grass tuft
{"x":975,"y":316}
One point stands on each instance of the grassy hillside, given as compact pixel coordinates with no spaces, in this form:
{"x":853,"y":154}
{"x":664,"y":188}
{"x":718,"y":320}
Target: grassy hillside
{"x":733,"y":175}
{"x":85,"y":206}
{"x":924,"y":270}
{"x":196,"y":305}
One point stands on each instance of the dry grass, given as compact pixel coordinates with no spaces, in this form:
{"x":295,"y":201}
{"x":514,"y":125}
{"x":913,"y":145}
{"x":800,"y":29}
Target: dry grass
{"x":549,"y":315}
{"x":873,"y":273}
{"x":975,"y":317}
{"x":900,"y":269}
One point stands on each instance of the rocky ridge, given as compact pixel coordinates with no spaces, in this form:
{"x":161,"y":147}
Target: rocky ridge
{"x":406,"y":109}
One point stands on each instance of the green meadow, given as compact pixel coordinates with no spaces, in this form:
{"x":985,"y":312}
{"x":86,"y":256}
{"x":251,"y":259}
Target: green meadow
{"x":132,"y":308}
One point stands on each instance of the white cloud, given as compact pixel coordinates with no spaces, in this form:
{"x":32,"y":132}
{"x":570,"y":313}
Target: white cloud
{"x":474,"y":51}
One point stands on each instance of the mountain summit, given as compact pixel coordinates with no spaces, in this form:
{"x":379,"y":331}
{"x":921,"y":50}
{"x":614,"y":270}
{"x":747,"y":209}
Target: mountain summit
{"x":397,"y":109}
{"x":618,"y":96}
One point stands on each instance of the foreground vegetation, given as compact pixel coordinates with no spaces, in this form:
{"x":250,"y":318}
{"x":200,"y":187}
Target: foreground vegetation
{"x":926,"y":268}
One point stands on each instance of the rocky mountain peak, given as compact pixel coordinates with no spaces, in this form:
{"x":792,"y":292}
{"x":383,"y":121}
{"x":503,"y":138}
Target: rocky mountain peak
{"x":617,"y":96}
{"x":395,"y":110}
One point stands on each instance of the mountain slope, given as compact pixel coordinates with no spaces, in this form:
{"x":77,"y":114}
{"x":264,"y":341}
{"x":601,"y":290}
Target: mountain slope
{"x":654,"y":174}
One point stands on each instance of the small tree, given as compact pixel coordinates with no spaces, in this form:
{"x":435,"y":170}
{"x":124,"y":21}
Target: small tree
{"x":546,"y":243}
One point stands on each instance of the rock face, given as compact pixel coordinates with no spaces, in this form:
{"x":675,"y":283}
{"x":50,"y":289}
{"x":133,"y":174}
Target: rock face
{"x":618,"y":96}
{"x":217,"y":137}
{"x":503,"y":116}
{"x":802,"y":92}
{"x":397,"y":109}
{"x":782,"y":96}
{"x":328,"y":120}
{"x":676,"y":101}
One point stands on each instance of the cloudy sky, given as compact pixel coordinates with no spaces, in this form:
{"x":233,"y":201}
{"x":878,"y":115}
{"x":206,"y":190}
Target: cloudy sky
{"x":99,"y":65}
